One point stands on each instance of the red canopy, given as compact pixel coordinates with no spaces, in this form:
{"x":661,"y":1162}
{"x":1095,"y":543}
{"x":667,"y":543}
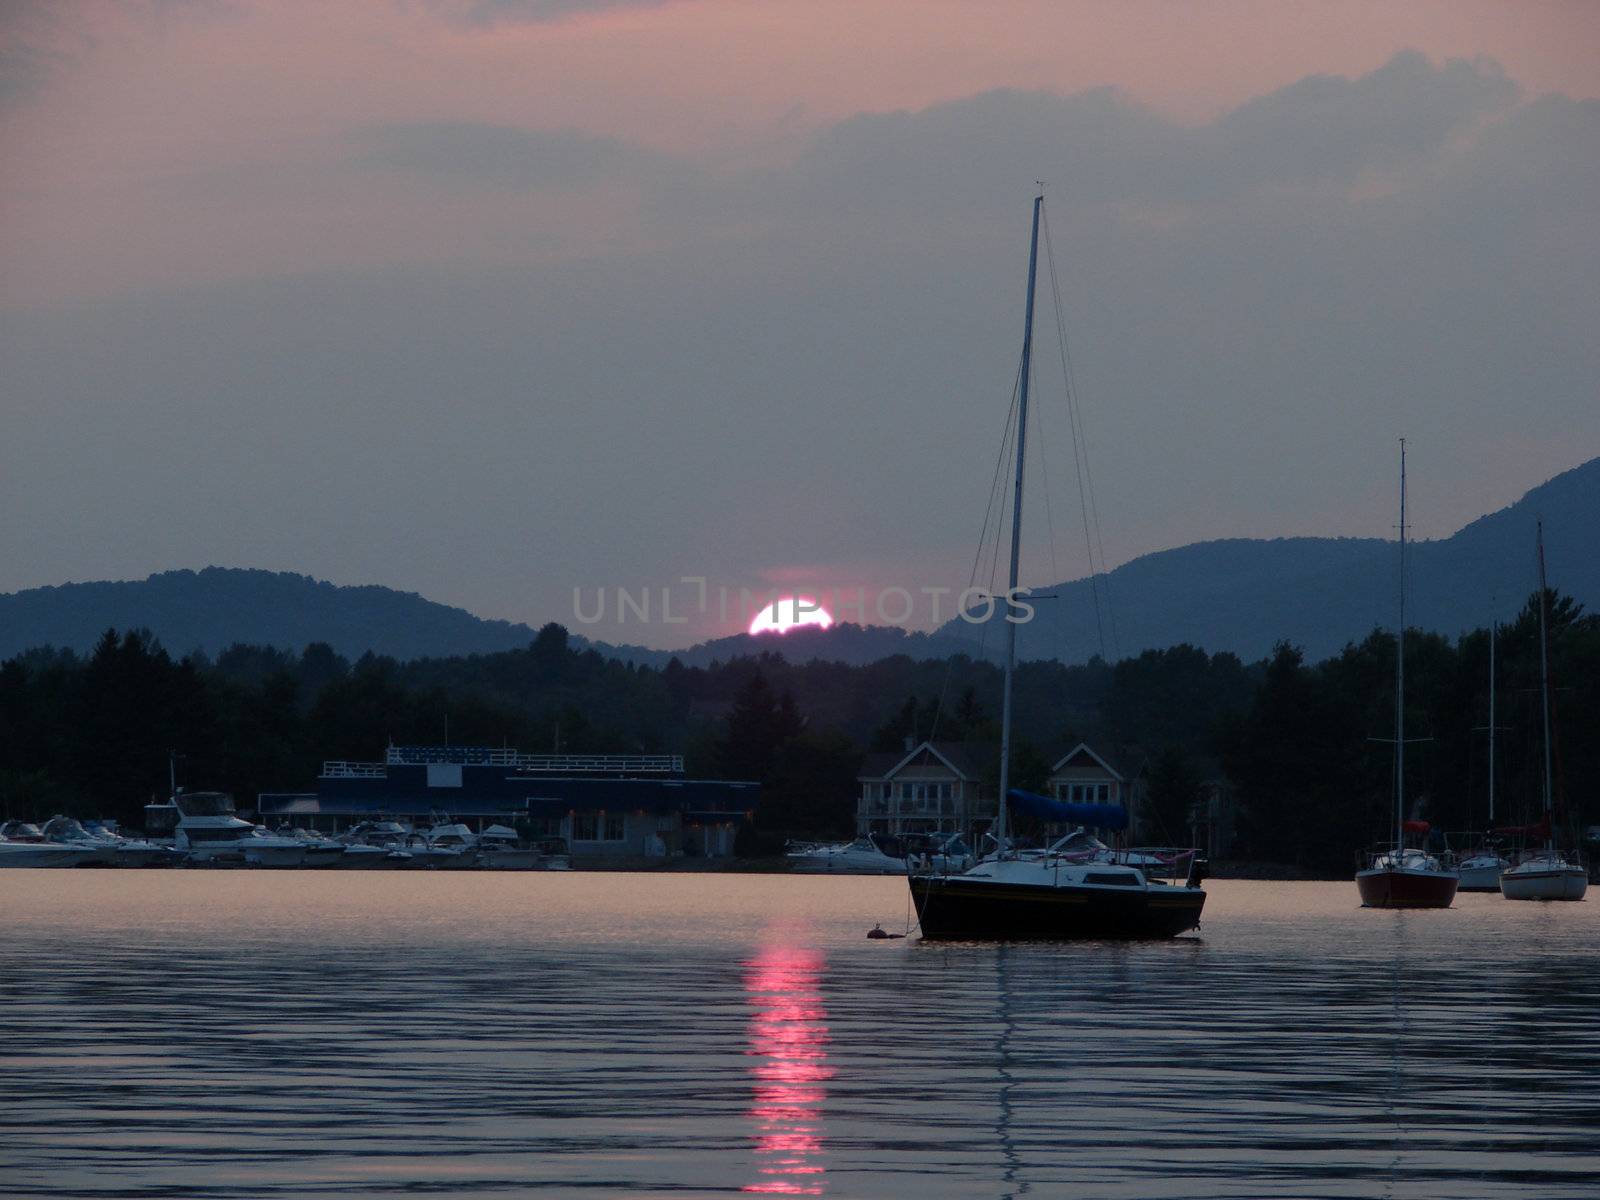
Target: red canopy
{"x":1415,"y":826}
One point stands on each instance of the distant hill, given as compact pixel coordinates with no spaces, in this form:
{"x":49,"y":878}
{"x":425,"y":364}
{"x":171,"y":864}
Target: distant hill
{"x":1319,"y":593}
{"x":1239,"y":595}
{"x":213,"y":608}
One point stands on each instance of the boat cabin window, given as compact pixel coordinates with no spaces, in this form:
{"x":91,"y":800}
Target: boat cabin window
{"x":1119,"y":878}
{"x":206,"y":804}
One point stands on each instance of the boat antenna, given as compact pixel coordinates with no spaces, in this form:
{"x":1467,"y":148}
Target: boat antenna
{"x":1016,"y":531}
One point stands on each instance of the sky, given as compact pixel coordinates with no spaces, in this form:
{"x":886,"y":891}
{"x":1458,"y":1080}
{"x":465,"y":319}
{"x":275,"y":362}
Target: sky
{"x":492,"y":300}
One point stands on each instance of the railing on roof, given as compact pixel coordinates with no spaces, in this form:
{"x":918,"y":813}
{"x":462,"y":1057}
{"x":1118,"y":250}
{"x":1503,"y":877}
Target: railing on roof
{"x":353,"y":770}
{"x":517,"y":761}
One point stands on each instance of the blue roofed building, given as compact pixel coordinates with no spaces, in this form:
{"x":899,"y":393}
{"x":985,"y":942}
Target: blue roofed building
{"x":603,"y":805}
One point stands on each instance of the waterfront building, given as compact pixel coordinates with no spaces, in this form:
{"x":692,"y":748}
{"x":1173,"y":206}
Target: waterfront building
{"x":931,"y":787}
{"x":604,"y":805}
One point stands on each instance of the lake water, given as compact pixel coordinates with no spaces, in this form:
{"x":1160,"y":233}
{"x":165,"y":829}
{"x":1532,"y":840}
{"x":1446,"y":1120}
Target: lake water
{"x":260,"y":1034}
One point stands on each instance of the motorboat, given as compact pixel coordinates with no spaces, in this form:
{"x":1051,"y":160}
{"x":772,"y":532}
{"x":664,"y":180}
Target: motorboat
{"x":107,"y":848}
{"x":23,"y":845}
{"x":319,"y":851}
{"x":377,"y":845}
{"x":938,"y":852}
{"x":212,"y":833}
{"x":446,"y":847}
{"x":871,"y":854}
{"x":499,"y":849}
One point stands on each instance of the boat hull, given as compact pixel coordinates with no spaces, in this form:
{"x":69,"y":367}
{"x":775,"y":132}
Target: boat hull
{"x":508,"y":860}
{"x":1480,"y":879}
{"x":962,"y":908}
{"x":1385,"y":887}
{"x":1559,"y":883}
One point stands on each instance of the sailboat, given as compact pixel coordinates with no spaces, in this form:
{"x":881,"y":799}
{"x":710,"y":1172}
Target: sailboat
{"x":1545,"y":873}
{"x":1006,"y":896}
{"x":1402,"y":877}
{"x":1480,"y":870}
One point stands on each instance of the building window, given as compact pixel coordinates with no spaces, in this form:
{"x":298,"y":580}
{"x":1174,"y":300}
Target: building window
{"x":616,"y":827}
{"x":584,"y":827}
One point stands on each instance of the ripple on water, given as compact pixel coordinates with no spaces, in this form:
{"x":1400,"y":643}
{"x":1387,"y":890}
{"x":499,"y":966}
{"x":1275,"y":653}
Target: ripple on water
{"x":231,"y":1034}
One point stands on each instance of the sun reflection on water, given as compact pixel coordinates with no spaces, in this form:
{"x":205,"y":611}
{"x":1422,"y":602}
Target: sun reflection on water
{"x":788,"y":1041}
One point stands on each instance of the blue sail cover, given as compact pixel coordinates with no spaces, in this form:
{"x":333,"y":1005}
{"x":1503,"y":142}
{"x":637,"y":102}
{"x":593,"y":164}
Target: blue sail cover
{"x":1098,"y":816}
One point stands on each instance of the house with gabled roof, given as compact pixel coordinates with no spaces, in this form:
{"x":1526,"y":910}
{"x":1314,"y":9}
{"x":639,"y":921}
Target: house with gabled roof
{"x":929,"y":787}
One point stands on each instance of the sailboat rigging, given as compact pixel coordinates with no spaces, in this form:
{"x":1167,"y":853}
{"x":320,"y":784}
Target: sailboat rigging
{"x":1402,"y":877}
{"x":1546,"y":873}
{"x":1480,"y":870}
{"x":1048,"y":894}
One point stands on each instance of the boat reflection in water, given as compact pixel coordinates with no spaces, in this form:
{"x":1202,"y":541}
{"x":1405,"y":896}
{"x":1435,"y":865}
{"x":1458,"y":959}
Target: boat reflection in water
{"x":788,"y":1040}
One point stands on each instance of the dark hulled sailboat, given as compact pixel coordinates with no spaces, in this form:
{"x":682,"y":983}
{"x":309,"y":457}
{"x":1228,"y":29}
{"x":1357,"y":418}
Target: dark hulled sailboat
{"x":1049,"y":895}
{"x":1402,"y":876}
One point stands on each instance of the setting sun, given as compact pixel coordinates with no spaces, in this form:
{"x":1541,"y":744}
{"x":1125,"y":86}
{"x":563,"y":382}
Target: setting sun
{"x":789,"y":612}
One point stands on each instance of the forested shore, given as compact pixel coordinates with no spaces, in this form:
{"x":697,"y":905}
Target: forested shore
{"x":1295,"y":743}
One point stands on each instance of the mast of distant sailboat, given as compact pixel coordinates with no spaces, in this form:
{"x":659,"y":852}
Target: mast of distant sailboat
{"x":1492,"y":626}
{"x":1016,"y":534}
{"x":1400,"y":680}
{"x":1544,"y":695}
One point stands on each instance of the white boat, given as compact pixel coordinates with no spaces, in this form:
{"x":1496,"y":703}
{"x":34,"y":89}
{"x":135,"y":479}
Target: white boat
{"x":319,"y":851}
{"x":864,"y":856}
{"x":24,"y":845}
{"x":212,"y":833}
{"x":1545,"y":873}
{"x":499,"y":849}
{"x":1544,"y":876}
{"x":376,"y":845}
{"x":1480,"y":870}
{"x":108,"y":849}
{"x":1006,"y":896}
{"x":447,"y":847}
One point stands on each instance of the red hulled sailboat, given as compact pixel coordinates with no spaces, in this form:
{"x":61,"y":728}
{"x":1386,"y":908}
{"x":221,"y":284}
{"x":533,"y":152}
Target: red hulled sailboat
{"x":1402,"y":876}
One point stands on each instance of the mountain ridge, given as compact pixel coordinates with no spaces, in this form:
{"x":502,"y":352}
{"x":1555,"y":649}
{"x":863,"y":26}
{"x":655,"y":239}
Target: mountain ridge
{"x":1227,"y":594}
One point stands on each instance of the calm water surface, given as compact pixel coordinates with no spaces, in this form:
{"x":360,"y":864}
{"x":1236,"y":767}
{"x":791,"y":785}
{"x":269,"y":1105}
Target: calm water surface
{"x":259,"y":1034}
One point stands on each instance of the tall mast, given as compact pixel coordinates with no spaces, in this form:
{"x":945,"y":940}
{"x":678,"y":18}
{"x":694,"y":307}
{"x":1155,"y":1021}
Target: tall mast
{"x":1492,"y":626}
{"x":1544,"y":695}
{"x":1400,"y":676}
{"x":1016,"y":531}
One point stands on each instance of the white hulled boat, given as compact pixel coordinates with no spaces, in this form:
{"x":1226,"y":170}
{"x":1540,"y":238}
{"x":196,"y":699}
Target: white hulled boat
{"x":1545,"y":873}
{"x":376,"y":845}
{"x":24,"y":845}
{"x":109,"y":849}
{"x":867,"y":855}
{"x":1480,"y":870}
{"x":212,"y":833}
{"x":499,"y":849}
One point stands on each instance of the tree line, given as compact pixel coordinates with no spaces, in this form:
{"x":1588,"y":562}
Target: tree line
{"x":1292,"y":742}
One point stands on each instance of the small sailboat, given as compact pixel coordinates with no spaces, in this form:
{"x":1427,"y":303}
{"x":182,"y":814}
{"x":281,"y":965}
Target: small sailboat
{"x":1545,"y":873}
{"x":1480,"y":870}
{"x":1053,"y":896}
{"x":1402,"y":876}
